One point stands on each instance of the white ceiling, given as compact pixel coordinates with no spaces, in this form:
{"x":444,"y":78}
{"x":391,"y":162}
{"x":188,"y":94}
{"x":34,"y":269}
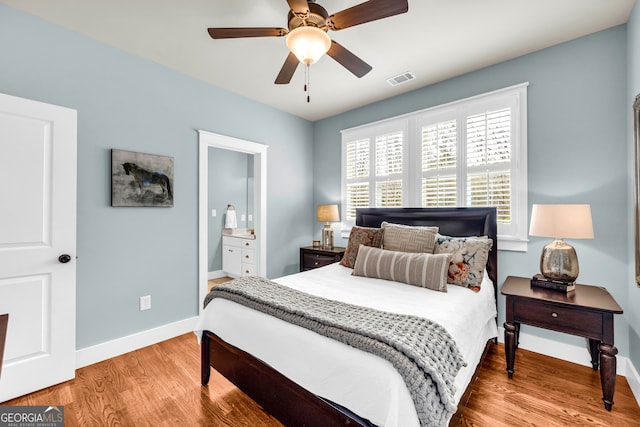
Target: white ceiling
{"x":435,"y":40}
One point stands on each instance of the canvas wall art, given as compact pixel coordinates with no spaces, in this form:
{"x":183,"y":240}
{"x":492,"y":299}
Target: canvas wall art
{"x":140,"y":179}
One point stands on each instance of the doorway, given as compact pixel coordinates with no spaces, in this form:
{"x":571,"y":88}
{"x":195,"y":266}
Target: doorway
{"x":259,"y":151}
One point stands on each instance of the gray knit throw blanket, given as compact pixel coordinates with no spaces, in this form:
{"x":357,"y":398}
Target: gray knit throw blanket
{"x":422,"y":351}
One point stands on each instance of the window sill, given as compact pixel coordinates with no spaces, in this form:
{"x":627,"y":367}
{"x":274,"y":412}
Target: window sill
{"x":506,"y":244}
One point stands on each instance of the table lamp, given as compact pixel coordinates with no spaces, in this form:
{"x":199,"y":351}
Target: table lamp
{"x":327,"y":214}
{"x":559,"y":261}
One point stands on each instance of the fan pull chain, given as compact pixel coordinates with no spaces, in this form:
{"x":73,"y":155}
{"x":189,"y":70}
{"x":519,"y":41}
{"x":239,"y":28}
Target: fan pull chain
{"x":307,"y":86}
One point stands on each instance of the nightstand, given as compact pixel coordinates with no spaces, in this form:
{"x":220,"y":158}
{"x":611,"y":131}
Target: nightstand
{"x":314,"y":257}
{"x":587,"y":312}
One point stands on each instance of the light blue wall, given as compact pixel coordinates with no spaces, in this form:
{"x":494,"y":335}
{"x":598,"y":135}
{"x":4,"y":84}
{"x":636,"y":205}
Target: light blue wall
{"x":129,"y":103}
{"x":577,"y":152}
{"x":633,"y":74}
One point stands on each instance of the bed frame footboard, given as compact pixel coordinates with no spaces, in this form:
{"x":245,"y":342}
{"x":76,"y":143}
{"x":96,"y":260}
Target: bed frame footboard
{"x":291,"y":404}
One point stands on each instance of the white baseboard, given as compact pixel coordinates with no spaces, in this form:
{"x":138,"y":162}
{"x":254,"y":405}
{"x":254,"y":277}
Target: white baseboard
{"x":575,"y":354}
{"x":634,"y":380}
{"x":216,"y":274}
{"x":97,"y":353}
{"x":571,"y":353}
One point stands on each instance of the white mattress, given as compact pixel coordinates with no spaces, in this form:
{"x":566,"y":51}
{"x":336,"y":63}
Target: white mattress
{"x":366,"y":384}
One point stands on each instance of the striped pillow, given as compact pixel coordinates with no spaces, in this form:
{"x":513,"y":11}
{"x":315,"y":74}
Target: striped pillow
{"x":406,"y":238}
{"x":418,"y":269}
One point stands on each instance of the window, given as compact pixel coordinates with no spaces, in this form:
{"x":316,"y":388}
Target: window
{"x":374,"y":169}
{"x":466,"y":153}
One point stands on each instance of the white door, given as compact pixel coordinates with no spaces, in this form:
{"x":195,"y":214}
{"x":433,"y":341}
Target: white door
{"x":37,"y":228}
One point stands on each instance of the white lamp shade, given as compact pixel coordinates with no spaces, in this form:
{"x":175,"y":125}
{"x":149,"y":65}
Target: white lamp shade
{"x":561,"y":221}
{"x":308,"y":44}
{"x":328,"y":213}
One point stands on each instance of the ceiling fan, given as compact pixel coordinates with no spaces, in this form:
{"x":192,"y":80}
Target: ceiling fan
{"x":307,"y":37}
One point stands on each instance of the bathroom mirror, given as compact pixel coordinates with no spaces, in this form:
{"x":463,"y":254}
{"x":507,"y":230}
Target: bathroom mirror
{"x":230,"y":183}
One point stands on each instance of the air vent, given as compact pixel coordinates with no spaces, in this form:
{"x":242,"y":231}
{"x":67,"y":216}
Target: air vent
{"x":401,"y":78}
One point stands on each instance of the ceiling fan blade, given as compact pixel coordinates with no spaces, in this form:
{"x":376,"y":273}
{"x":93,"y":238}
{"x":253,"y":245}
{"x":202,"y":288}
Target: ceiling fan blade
{"x":299,"y":7}
{"x":368,"y":11}
{"x":233,"y":33}
{"x":287,"y":70}
{"x":348,"y":60}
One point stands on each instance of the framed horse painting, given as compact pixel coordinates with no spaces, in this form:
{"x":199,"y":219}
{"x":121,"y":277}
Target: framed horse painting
{"x":140,"y":179}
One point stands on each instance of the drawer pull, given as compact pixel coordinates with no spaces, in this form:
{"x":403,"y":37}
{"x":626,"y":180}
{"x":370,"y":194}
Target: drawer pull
{"x":247,"y":244}
{"x":554,"y":314}
{"x":246,"y":256}
{"x":315,"y":263}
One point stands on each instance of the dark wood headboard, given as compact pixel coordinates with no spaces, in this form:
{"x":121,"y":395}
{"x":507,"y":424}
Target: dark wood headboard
{"x":455,"y":222}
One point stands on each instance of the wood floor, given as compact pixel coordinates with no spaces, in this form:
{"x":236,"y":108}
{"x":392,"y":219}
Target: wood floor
{"x":160,"y":386}
{"x":212,"y":282}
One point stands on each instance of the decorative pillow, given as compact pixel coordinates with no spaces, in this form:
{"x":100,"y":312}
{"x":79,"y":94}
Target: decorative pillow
{"x":360,"y":236}
{"x":406,"y":238}
{"x":469,"y":260}
{"x":418,"y":269}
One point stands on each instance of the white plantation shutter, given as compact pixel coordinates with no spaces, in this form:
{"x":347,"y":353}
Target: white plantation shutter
{"x":439,"y":164}
{"x":439,"y":191}
{"x":488,"y":161}
{"x":491,"y":189}
{"x":388,"y":170}
{"x":357,"y":197}
{"x":356,"y":157}
{"x":466,"y":153}
{"x":373,"y":169}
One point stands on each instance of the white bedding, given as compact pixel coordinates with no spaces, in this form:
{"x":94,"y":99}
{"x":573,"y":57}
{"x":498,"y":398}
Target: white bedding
{"x":366,"y":384}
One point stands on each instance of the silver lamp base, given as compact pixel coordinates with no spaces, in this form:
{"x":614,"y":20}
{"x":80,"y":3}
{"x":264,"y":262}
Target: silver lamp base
{"x":559,"y":262}
{"x":327,"y":236}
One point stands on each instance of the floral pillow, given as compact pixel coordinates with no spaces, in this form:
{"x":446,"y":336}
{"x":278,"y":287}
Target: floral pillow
{"x":366,"y":236}
{"x":469,"y":260}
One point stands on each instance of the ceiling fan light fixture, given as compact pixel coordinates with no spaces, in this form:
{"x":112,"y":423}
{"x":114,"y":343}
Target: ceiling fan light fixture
{"x":308,"y":44}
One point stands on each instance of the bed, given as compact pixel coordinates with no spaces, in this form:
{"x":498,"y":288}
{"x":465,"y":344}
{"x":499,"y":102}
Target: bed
{"x":302,"y":378}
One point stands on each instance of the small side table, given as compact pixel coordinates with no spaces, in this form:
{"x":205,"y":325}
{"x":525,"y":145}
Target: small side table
{"x":587,"y":312}
{"x":313,"y":257}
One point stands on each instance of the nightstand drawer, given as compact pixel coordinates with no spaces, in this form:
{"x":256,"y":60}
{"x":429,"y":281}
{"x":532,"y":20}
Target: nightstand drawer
{"x":312,"y":257}
{"x":318,"y":260}
{"x":551,"y":316}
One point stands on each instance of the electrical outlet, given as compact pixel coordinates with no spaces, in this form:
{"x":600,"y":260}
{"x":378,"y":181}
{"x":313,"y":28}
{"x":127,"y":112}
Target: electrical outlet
{"x":145,"y":302}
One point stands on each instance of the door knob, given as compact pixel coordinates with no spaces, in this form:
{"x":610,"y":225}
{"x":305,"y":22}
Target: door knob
{"x":64,"y":258}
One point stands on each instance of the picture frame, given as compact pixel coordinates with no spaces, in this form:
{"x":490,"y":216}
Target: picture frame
{"x":141,"y":179}
{"x":636,"y":193}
